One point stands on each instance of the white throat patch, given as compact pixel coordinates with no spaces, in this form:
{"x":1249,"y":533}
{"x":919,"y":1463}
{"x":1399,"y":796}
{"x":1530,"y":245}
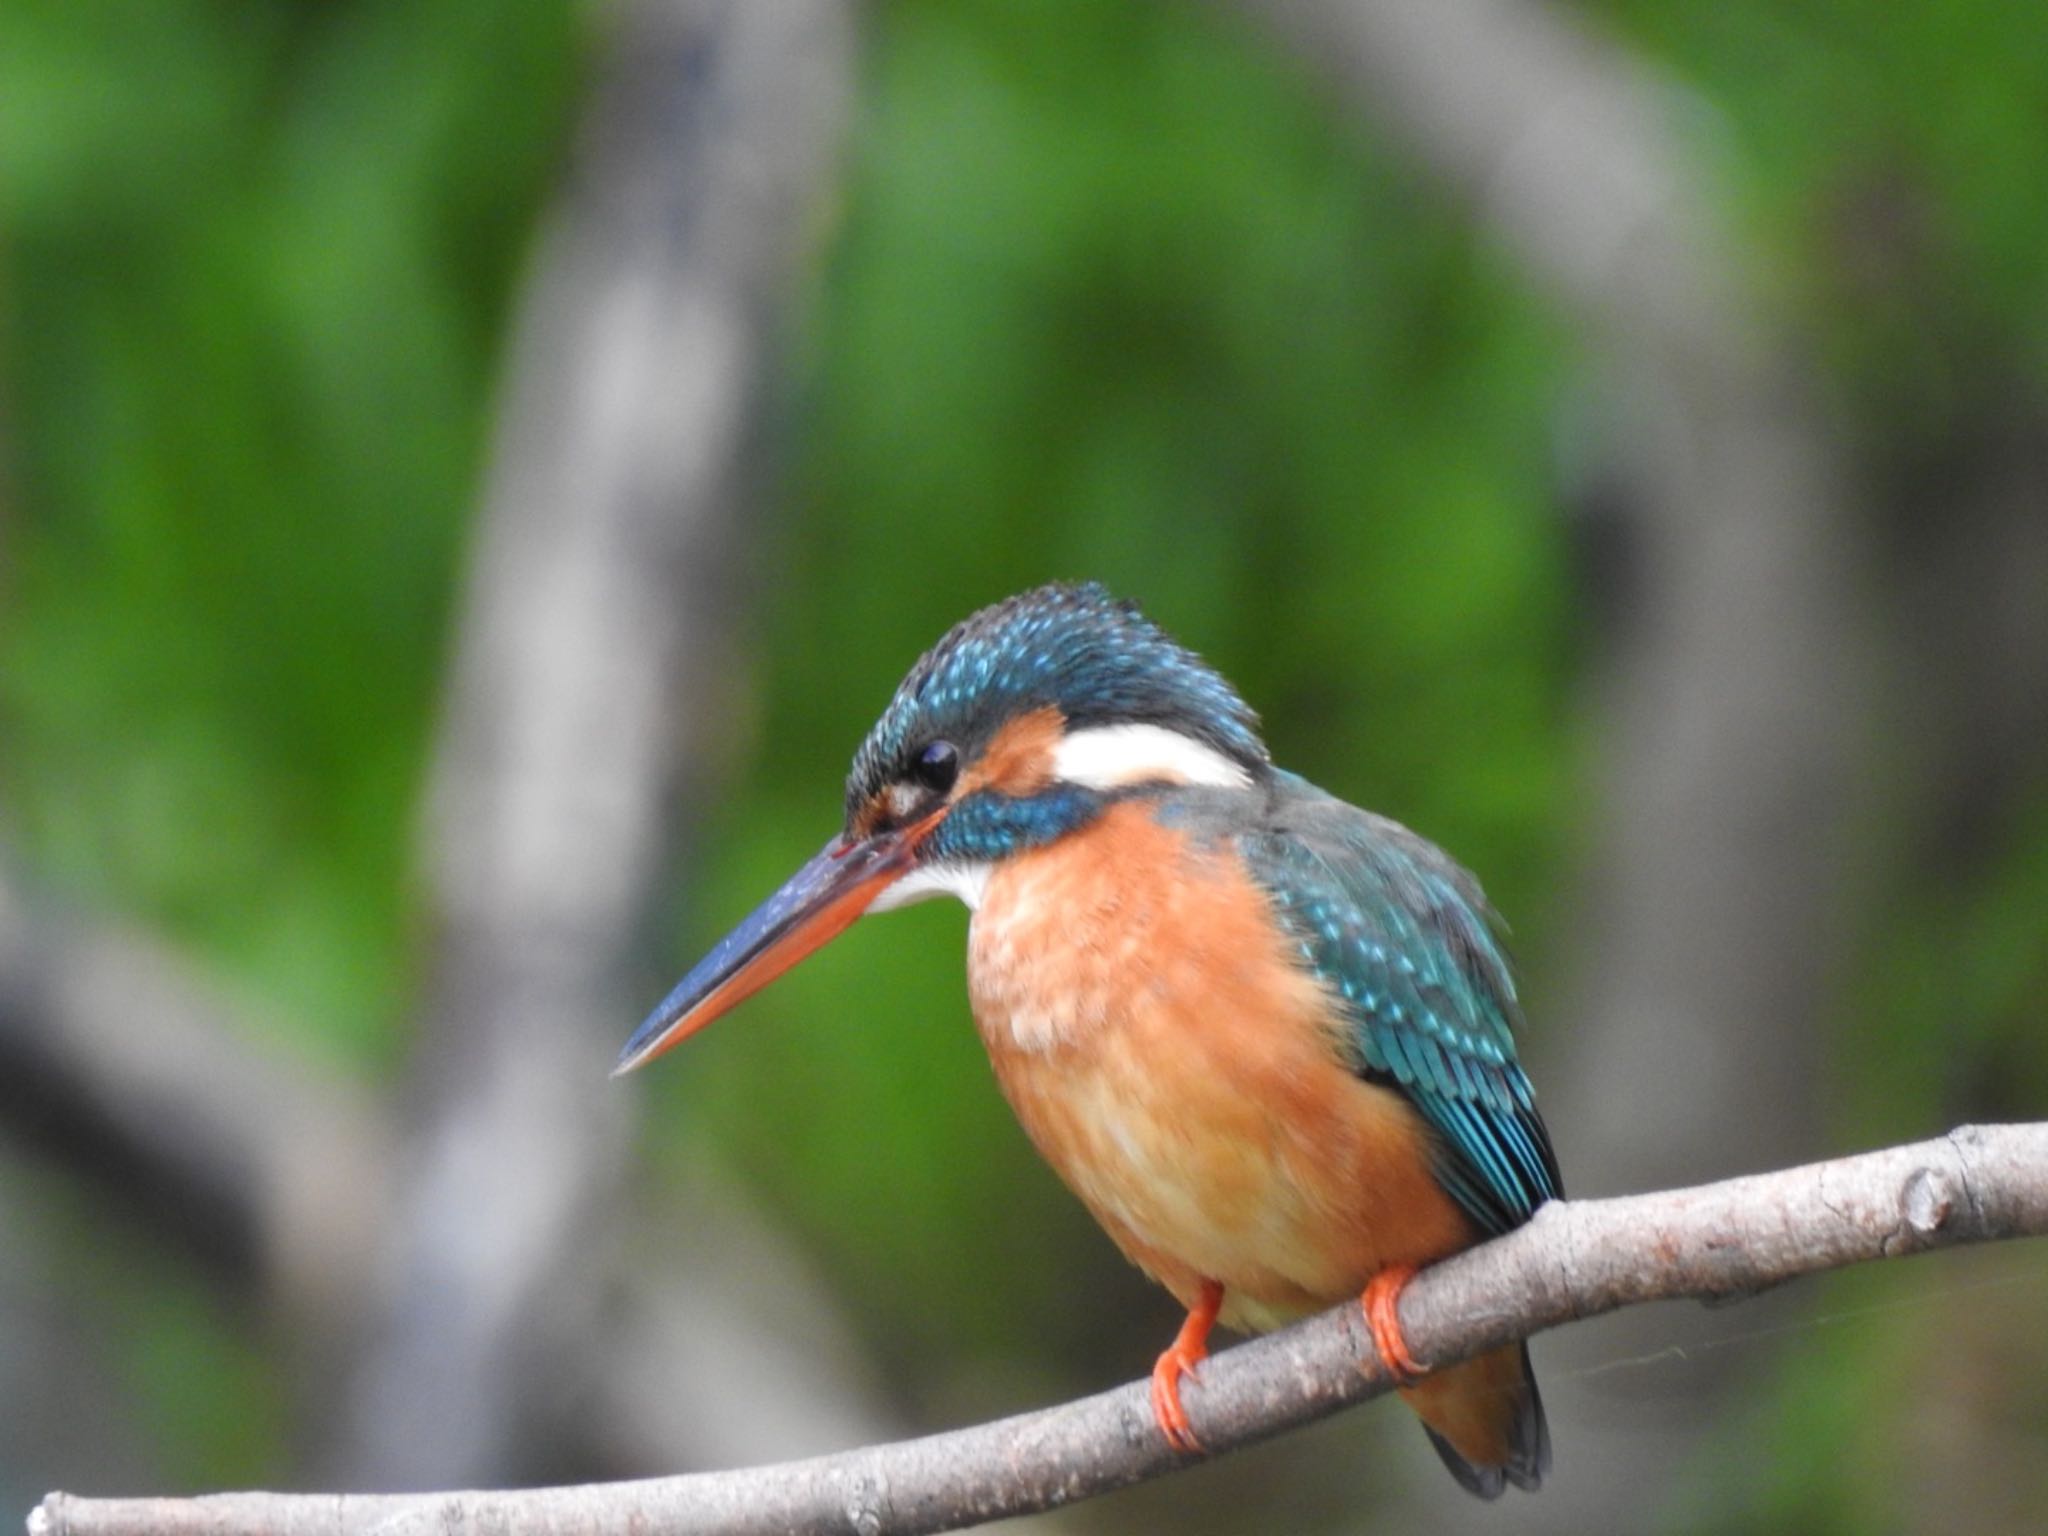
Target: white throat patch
{"x":967,"y":881}
{"x":1113,"y":756}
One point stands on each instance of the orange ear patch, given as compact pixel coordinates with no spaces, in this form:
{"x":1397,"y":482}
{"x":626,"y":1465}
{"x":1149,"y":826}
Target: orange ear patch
{"x":1018,"y":762}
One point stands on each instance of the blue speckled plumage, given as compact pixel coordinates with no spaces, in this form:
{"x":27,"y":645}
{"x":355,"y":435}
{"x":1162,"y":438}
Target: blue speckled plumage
{"x":987,"y":826}
{"x":1402,"y":936}
{"x":1098,"y":660}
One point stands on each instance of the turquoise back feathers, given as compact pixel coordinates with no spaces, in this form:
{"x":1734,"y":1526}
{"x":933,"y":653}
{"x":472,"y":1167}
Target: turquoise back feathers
{"x":1401,"y":936}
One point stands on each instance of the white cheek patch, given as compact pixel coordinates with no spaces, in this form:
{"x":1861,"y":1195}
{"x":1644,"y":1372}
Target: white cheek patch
{"x":967,"y":881}
{"x":1113,"y":756}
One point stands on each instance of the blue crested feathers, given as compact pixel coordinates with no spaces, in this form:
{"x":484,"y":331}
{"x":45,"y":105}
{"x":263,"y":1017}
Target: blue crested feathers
{"x":1074,"y":648}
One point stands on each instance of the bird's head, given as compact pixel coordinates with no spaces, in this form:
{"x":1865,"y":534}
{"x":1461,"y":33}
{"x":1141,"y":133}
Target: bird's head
{"x":1019,"y":727}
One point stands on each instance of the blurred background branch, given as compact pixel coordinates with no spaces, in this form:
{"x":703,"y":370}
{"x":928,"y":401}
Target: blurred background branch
{"x":202,"y":1122}
{"x":274,"y":1176}
{"x":1727,"y":685}
{"x":591,"y":653}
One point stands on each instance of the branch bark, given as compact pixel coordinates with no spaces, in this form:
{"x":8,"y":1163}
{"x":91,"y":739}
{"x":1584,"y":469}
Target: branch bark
{"x":1575,"y":1260}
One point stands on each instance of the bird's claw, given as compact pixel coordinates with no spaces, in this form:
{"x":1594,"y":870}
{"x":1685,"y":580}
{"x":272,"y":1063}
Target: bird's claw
{"x":1167,"y":1411}
{"x":1382,"y":1306}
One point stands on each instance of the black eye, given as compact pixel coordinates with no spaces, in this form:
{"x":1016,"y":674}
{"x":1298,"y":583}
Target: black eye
{"x":937,"y":766}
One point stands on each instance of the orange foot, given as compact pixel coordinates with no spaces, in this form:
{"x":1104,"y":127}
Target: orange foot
{"x":1382,"y":1303}
{"x":1189,"y":1349}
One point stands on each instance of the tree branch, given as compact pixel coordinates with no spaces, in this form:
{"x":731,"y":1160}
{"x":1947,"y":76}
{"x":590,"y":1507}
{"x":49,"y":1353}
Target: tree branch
{"x":1575,"y":1260}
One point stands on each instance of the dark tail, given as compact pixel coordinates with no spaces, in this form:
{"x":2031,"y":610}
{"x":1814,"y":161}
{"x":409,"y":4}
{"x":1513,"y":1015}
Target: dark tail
{"x":1485,"y":1419}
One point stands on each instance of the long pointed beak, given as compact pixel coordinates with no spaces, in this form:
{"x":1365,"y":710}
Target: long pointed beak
{"x":815,"y":905}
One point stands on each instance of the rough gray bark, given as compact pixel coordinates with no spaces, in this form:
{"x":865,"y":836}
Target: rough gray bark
{"x":1574,"y":1260}
{"x":589,"y":666}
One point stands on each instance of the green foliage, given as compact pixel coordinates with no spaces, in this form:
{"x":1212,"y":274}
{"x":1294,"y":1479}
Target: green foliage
{"x":1836,"y":1437}
{"x":1894,"y":160}
{"x":257,"y":262}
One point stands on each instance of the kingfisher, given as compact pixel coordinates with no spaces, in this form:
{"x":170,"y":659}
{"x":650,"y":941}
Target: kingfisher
{"x":1266,"y":1037}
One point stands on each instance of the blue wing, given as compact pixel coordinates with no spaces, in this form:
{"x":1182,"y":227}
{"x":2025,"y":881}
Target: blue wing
{"x":1401,"y":934}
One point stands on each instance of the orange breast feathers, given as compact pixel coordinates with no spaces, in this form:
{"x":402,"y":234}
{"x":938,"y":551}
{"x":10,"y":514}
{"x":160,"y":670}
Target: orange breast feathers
{"x":1184,"y":1077}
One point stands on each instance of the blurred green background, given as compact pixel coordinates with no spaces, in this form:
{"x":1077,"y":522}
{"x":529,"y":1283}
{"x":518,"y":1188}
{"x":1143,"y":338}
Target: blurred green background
{"x":1108,"y":290}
